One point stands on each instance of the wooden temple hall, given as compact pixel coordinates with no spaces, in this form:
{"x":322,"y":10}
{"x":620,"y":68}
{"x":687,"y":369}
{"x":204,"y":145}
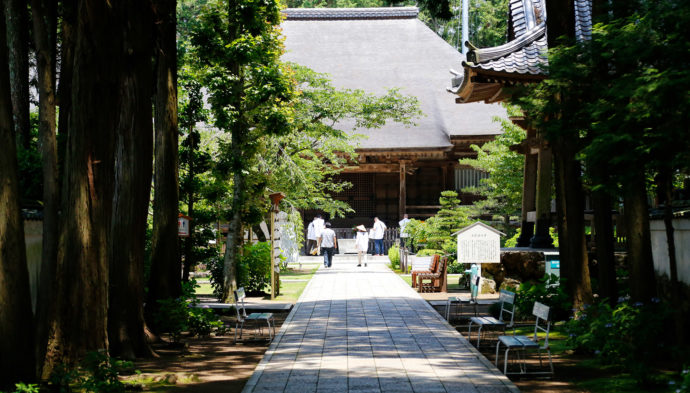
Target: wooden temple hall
{"x":402,"y":169}
{"x":486,"y":74}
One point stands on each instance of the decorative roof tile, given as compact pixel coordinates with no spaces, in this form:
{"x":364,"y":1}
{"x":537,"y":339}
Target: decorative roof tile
{"x":583,"y":20}
{"x":525,"y":54}
{"x":350,"y":13}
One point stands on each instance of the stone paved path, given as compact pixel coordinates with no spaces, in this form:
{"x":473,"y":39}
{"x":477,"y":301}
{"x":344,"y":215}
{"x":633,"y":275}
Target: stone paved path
{"x":365,"y":330}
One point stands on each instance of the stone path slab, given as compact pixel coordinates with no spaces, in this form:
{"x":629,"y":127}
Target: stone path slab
{"x":365,"y":330}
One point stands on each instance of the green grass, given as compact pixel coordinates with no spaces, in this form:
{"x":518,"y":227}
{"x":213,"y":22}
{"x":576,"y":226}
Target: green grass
{"x":204,"y":289}
{"x":291,"y":290}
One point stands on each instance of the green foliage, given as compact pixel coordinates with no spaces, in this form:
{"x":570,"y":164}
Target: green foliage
{"x":394,"y":257}
{"x":545,"y":291}
{"x":503,"y":188}
{"x":175,"y":316}
{"x":631,"y":335}
{"x":102,"y":372}
{"x":435,"y":233}
{"x":427,"y":252}
{"x":512,"y":241}
{"x":254,"y":269}
{"x":171,"y":317}
{"x":622,"y":94}
{"x":487,"y":23}
{"x":456,"y":268}
{"x":97,"y":372}
{"x":26,"y":388}
{"x":684,"y":384}
{"x":216,"y":266}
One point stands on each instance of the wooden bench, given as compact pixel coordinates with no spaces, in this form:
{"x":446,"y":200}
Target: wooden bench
{"x":423,"y":265}
{"x":437,"y":280}
{"x":255,"y":317}
{"x":523,"y":343}
{"x":507,"y":300}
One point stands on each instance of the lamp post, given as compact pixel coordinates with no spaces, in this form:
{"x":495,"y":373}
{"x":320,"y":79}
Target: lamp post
{"x":275,"y":200}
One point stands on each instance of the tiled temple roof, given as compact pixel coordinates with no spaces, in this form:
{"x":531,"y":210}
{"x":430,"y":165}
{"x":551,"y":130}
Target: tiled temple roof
{"x":522,"y":60}
{"x":389,"y":48}
{"x":350,"y":13}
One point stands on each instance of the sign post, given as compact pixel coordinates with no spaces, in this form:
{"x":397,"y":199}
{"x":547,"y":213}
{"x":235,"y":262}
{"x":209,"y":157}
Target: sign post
{"x":478,"y":243}
{"x":275,"y":200}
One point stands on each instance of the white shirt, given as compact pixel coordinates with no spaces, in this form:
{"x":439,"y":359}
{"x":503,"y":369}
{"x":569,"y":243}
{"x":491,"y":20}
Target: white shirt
{"x":402,"y":224}
{"x":311,"y":232}
{"x":327,"y":238}
{"x":318,"y":226}
{"x":362,"y":241}
{"x":379,"y":229}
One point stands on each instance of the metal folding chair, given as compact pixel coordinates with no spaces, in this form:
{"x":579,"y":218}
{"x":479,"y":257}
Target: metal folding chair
{"x":521,"y":343}
{"x":255,"y":317}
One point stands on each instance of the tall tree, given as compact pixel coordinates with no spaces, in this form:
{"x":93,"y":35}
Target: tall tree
{"x":44,"y":15}
{"x":132,"y":182}
{"x":17,"y":25}
{"x":16,"y":320}
{"x":559,"y":124}
{"x":165,"y":276}
{"x":194,"y":163}
{"x":68,"y":20}
{"x":79,"y":319}
{"x":238,"y":54}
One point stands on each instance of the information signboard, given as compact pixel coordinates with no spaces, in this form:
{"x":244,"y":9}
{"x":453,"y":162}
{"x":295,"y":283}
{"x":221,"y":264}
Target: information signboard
{"x":479,"y":243}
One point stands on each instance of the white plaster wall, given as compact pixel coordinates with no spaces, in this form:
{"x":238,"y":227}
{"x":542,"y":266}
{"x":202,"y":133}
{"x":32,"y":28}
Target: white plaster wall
{"x":681,"y":235}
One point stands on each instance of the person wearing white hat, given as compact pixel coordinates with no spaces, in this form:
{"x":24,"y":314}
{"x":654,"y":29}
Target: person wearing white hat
{"x":361,"y":244}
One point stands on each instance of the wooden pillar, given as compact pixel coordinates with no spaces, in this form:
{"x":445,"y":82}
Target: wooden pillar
{"x":529,"y":189}
{"x":444,"y":177}
{"x":403,"y":192}
{"x":541,"y":238}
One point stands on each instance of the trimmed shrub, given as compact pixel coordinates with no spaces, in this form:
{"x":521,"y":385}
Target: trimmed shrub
{"x":394,"y":256}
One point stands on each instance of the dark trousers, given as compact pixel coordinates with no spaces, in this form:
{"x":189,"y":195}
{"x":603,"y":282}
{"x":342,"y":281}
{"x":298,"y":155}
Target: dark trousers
{"x":328,"y":255}
{"x":310,"y":245}
{"x":378,"y":246}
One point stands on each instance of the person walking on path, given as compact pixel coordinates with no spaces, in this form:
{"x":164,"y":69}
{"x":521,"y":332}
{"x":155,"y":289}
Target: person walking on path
{"x":403,"y":235}
{"x":362,"y":244}
{"x":378,"y":231}
{"x":328,"y":243}
{"x":313,"y":232}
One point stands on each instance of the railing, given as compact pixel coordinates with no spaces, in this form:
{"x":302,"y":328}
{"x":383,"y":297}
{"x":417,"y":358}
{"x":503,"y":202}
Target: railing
{"x":390,"y":238}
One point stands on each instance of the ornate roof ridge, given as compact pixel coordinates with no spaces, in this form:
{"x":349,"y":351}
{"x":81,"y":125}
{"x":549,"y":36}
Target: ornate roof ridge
{"x":350,"y":13}
{"x":482,"y":55}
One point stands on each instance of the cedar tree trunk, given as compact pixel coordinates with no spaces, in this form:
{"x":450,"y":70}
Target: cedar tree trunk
{"x":606,"y":261}
{"x":133,"y":155}
{"x":642,"y":278}
{"x":571,"y":234}
{"x":64,"y":95}
{"x":17,"y":361}
{"x":44,"y":13}
{"x":17,"y":18}
{"x":166,"y":269}
{"x":79,"y":320}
